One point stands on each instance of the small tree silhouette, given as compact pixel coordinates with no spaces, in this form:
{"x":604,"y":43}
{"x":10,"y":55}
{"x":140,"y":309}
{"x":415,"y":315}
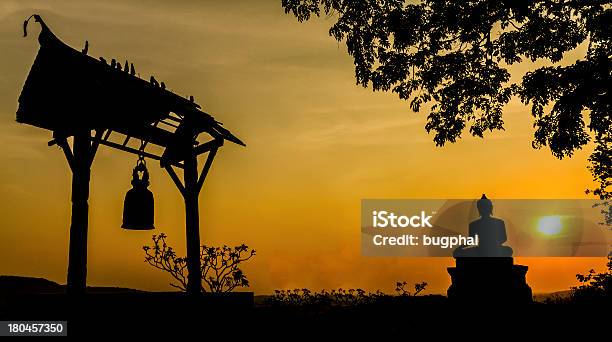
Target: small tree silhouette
{"x":400,"y":288}
{"x":220,"y":267}
{"x":219,"y":270}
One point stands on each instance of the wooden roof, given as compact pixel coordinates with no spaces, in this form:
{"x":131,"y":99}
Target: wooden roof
{"x":67,"y":90}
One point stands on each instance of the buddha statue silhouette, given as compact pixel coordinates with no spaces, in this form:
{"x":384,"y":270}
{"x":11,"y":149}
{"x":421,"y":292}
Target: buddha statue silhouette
{"x":491,"y":234}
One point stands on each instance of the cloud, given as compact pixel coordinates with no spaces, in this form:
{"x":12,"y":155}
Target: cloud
{"x":22,"y":142}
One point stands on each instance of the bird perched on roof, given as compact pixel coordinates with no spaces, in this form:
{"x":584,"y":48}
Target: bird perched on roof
{"x":154,"y":82}
{"x":191,"y":99}
{"x":86,"y":48}
{"x":163,"y":85}
{"x":113,"y":63}
{"x":119,"y":66}
{"x":132,"y":70}
{"x":102,"y":60}
{"x":125,"y":67}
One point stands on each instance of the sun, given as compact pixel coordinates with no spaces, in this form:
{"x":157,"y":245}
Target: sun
{"x":550,"y":225}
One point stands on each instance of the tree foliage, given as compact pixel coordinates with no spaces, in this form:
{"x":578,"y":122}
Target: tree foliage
{"x":595,"y":288}
{"x":219,"y":265}
{"x":454,"y":55}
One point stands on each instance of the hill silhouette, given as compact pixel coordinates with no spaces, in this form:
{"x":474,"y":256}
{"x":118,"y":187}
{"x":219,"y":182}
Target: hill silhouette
{"x":13,"y":285}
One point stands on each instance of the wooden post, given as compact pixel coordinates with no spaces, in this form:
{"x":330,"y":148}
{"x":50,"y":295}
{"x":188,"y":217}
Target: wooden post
{"x":190,"y":189}
{"x":80,"y":162}
{"x":192,"y":223}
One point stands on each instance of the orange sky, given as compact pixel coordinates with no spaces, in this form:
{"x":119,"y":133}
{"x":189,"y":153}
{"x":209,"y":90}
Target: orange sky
{"x":316,"y":145}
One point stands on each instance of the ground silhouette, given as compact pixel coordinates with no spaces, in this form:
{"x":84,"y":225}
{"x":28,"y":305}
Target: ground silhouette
{"x":126,"y":312}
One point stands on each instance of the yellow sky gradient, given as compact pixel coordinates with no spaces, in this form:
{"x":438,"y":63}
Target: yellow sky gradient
{"x":316,"y":145}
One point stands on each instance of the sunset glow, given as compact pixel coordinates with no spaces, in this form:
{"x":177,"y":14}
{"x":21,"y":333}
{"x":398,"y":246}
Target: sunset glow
{"x":550,"y":225}
{"x":317,"y":144}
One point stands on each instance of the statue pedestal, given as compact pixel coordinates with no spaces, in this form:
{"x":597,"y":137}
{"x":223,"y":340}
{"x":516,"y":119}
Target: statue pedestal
{"x":488,"y":280}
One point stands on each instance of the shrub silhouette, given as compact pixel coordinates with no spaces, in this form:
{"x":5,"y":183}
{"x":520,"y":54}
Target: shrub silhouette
{"x":401,"y":290}
{"x":595,"y":287}
{"x":339,"y":297}
{"x":336,"y":298}
{"x":220,"y":272}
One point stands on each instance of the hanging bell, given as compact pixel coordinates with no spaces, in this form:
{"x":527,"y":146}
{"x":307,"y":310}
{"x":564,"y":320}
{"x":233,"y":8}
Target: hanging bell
{"x":138,"y":204}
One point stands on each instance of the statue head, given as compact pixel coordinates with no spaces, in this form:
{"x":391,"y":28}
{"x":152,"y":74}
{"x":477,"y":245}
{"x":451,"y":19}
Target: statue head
{"x":484,"y":206}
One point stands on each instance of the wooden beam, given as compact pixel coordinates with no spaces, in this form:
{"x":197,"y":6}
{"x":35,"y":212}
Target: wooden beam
{"x":207,"y":164}
{"x":169,"y":124}
{"x":137,"y":152}
{"x":63,"y":143}
{"x":129,"y":149}
{"x":146,"y":142}
{"x":208,"y":146}
{"x":172,"y":118}
{"x":94,"y":144}
{"x":152,"y":134}
{"x":176,"y":179}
